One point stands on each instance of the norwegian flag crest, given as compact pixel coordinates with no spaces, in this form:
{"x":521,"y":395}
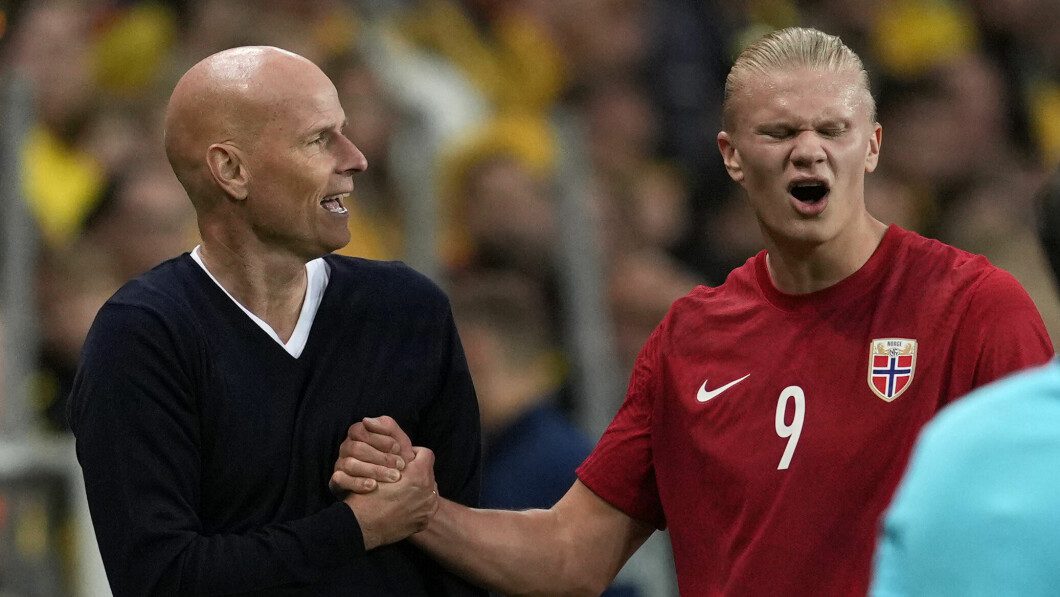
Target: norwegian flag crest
{"x":892,"y":362}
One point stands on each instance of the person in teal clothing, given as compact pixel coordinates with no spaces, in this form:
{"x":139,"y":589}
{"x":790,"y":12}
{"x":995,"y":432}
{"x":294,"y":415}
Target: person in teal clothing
{"x":978,"y":511}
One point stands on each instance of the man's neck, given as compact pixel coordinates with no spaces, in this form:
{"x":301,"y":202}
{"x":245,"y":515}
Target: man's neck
{"x":796,"y":269}
{"x":269,"y":285}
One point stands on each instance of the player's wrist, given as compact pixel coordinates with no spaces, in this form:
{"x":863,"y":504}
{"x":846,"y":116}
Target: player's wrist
{"x":437,"y":522}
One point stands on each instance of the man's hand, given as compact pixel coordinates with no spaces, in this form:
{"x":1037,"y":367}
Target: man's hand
{"x":375,"y":450}
{"x":401,"y":508}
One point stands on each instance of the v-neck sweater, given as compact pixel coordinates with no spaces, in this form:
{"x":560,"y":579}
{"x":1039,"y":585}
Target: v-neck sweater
{"x":317,"y":275}
{"x":207,"y":448}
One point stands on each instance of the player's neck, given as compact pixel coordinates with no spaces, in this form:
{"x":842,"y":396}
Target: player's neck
{"x":270,"y":286}
{"x":804,"y":269}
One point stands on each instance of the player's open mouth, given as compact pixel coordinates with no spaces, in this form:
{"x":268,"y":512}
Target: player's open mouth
{"x":808,"y":191}
{"x":333,"y":203}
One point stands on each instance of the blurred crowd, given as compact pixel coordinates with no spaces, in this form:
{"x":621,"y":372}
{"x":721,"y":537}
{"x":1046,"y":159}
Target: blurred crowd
{"x":462,"y":108}
{"x":479,"y":119}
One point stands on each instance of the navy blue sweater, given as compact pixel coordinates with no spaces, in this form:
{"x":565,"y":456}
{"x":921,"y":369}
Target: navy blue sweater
{"x":206,"y":448}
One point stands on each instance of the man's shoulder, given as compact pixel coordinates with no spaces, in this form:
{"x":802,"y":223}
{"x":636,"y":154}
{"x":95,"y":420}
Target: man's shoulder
{"x":160,"y":299}
{"x":1042,"y":380}
{"x":739,"y":287}
{"x":1020,"y":401}
{"x":155,"y":309}
{"x":951,"y":270}
{"x":345,"y":265}
{"x":159,"y":288}
{"x":384,"y":281}
{"x":920,"y":251}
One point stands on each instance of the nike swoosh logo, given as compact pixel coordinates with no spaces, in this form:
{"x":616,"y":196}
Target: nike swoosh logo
{"x":703,"y":395}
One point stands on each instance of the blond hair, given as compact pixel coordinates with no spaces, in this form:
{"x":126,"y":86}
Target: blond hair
{"x":794,"y":47}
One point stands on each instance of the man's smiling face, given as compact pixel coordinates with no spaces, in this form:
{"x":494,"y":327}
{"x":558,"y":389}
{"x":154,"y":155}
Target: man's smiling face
{"x":301,"y":167}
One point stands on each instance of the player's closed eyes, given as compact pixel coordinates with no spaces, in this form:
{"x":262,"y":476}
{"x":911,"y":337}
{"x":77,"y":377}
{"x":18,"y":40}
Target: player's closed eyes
{"x":777,"y":133}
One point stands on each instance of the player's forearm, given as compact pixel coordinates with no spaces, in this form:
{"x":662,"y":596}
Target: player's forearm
{"x":516,"y":553}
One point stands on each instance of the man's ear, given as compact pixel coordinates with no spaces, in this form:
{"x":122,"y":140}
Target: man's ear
{"x":873,"y":156}
{"x":228,"y":170}
{"x":730,"y":156}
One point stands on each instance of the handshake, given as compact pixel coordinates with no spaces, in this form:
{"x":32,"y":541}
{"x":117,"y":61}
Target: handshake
{"x":387,"y":482}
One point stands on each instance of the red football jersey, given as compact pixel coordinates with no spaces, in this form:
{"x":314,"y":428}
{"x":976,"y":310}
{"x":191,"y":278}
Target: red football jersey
{"x":768,"y":431}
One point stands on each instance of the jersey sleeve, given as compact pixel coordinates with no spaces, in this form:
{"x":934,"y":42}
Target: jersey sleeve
{"x":1000,"y":333}
{"x":134,"y":414}
{"x":620,"y":469}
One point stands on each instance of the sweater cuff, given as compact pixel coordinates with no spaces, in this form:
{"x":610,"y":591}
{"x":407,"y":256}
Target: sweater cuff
{"x":340,"y":534}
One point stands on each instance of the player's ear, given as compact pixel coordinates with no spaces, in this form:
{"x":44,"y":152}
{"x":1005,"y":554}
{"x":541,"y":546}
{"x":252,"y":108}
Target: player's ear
{"x":228,"y":169}
{"x":730,"y":156}
{"x":872,"y":158}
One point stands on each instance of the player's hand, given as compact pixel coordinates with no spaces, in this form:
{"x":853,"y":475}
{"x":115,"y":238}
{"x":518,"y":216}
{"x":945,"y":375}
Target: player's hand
{"x":397,"y":510}
{"x":375,"y":450}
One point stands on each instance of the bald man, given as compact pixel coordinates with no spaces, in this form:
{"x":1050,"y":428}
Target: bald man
{"x":214,"y":391}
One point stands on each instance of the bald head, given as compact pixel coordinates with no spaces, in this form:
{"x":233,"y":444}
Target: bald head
{"x":227,"y":98}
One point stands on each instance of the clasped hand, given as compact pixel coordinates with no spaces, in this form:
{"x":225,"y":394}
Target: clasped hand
{"x":387,"y":481}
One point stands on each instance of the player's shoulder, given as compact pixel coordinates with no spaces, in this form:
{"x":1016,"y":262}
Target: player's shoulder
{"x":947,"y":266}
{"x":738,"y":285}
{"x":924,"y":252}
{"x":1016,"y":400}
{"x":703,"y":304}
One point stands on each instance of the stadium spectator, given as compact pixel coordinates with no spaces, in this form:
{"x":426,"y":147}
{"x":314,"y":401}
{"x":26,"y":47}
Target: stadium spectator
{"x":530,"y":447}
{"x":100,"y":72}
{"x":3,"y":370}
{"x":146,"y":220}
{"x":72,"y":284}
{"x":641,"y":286}
{"x":377,"y":218}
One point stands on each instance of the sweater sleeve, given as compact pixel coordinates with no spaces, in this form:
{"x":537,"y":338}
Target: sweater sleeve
{"x":135,"y":415}
{"x":451,"y":428}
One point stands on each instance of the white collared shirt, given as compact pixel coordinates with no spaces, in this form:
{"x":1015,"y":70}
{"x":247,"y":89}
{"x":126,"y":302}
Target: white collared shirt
{"x":317,"y":274}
